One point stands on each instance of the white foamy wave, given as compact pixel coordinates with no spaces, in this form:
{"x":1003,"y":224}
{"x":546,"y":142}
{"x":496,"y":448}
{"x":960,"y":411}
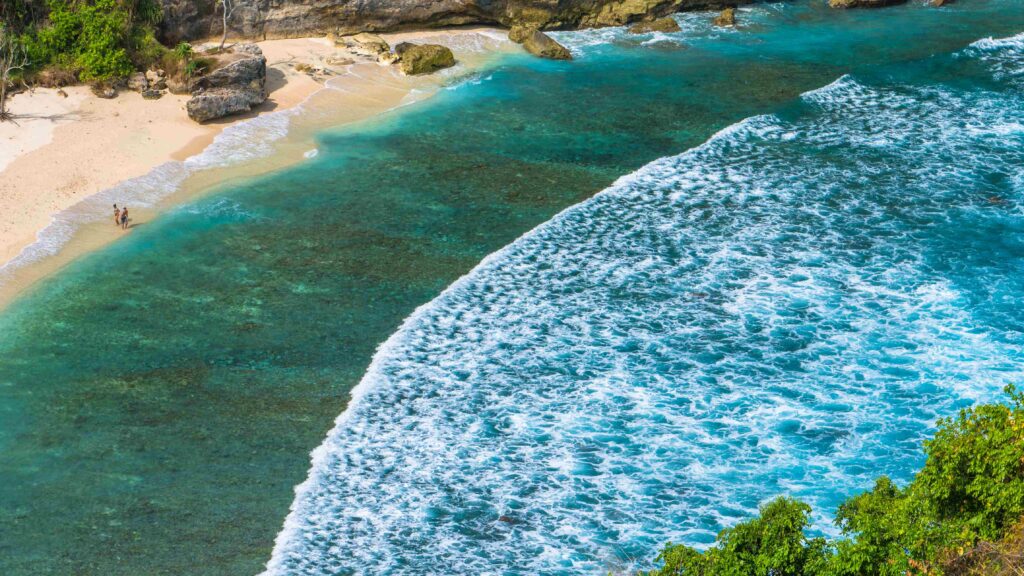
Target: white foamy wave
{"x":242,"y":142}
{"x":784,"y":309}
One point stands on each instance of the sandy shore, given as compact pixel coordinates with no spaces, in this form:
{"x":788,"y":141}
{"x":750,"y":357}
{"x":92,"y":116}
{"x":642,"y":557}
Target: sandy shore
{"x":66,"y":150}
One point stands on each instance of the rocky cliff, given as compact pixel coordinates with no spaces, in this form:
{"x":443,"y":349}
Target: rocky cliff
{"x":260,"y":19}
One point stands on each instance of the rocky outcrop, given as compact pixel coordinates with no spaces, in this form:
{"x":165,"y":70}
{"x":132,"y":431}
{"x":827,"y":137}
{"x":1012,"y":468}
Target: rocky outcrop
{"x":726,"y":18}
{"x":237,"y":85}
{"x":666,"y":25}
{"x":520,"y":32}
{"x":864,"y":3}
{"x":540,"y":44}
{"x":260,"y":19}
{"x":426,"y":58}
{"x":137,"y":82}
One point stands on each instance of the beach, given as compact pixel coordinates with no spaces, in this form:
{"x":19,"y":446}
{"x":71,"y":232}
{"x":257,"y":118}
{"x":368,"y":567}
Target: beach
{"x":68,"y":146}
{"x":524,"y":316}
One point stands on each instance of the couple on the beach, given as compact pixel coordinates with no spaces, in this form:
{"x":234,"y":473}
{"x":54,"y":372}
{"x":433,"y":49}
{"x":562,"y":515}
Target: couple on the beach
{"x":121,"y":217}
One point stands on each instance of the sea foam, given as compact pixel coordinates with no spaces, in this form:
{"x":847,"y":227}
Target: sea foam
{"x":786,"y":309}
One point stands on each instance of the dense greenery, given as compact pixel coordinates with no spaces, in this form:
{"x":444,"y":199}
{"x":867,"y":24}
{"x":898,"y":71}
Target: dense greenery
{"x":960,"y":515}
{"x":90,"y":39}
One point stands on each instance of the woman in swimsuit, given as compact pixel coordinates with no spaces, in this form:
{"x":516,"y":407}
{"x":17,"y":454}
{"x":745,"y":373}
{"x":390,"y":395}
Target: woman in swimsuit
{"x":117,"y":215}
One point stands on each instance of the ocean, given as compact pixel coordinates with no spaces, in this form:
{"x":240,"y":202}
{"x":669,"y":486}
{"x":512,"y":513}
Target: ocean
{"x":566,"y":311}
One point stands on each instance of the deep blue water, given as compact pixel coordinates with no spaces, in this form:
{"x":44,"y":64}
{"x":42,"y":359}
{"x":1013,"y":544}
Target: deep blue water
{"x":820,"y":257}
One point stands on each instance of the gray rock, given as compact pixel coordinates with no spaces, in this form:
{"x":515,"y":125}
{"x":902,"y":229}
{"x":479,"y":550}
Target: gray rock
{"x":220,"y":102}
{"x":152,"y":94}
{"x":540,"y":44}
{"x":237,"y":86}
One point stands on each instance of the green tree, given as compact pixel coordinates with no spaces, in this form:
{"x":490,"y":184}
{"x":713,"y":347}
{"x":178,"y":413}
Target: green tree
{"x":771,"y":544}
{"x":965,"y":508}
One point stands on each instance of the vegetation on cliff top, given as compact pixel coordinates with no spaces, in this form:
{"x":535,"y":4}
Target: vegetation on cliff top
{"x":961,"y":515}
{"x":86,"y":39}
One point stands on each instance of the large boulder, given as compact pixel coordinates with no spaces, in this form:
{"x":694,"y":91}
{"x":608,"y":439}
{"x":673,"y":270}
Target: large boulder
{"x":864,"y":3}
{"x":426,"y":58}
{"x":540,"y":44}
{"x":220,"y":102}
{"x":665,"y":24}
{"x":520,"y":32}
{"x":238,"y":85}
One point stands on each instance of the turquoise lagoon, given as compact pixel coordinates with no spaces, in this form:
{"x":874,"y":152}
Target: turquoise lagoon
{"x":807,"y":249}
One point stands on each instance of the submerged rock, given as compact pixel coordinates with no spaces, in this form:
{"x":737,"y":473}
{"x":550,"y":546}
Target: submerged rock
{"x":863,"y":3}
{"x":540,"y":44}
{"x":726,"y":18}
{"x":940,"y":3}
{"x":426,"y":58}
{"x":666,"y":24}
{"x":235,"y":87}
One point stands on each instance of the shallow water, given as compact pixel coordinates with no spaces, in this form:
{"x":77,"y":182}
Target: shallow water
{"x":786,"y":308}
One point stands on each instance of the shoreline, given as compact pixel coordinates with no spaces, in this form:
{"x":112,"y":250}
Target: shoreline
{"x":151,"y":157}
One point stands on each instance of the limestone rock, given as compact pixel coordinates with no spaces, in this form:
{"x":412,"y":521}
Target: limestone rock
{"x":176,"y":86}
{"x":220,"y":102}
{"x":864,"y":3}
{"x":520,"y":32}
{"x":237,"y":86}
{"x":104,"y":90}
{"x":426,"y":58}
{"x":726,"y":18}
{"x":540,"y":44}
{"x":666,"y":24}
{"x":192,"y":19}
{"x":152,"y":94}
{"x":367,"y":44}
{"x":137,"y":82}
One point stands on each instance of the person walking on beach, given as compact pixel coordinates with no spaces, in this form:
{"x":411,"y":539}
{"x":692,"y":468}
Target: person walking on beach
{"x":117,"y":215}
{"x":124,"y":218}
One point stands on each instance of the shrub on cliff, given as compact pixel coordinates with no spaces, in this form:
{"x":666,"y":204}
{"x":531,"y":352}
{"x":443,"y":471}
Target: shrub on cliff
{"x":961,"y":514}
{"x":101,"y":39}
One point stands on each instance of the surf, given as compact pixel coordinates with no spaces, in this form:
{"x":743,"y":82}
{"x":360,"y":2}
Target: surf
{"x":786,"y":308}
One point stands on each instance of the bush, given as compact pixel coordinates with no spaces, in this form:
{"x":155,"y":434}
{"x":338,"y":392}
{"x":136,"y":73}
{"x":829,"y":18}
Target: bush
{"x":102,"y":39}
{"x":963,"y":510}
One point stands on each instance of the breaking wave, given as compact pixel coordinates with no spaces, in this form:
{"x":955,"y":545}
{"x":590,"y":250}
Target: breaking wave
{"x":787,"y":308}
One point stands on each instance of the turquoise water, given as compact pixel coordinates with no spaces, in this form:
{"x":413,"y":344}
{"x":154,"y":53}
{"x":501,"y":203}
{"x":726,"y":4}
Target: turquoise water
{"x":784,"y":308}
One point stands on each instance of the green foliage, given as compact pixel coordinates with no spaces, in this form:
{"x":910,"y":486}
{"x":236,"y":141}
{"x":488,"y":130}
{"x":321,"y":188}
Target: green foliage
{"x":771,"y":544}
{"x":183,"y":51}
{"x":102,"y":39}
{"x":970,"y":492}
